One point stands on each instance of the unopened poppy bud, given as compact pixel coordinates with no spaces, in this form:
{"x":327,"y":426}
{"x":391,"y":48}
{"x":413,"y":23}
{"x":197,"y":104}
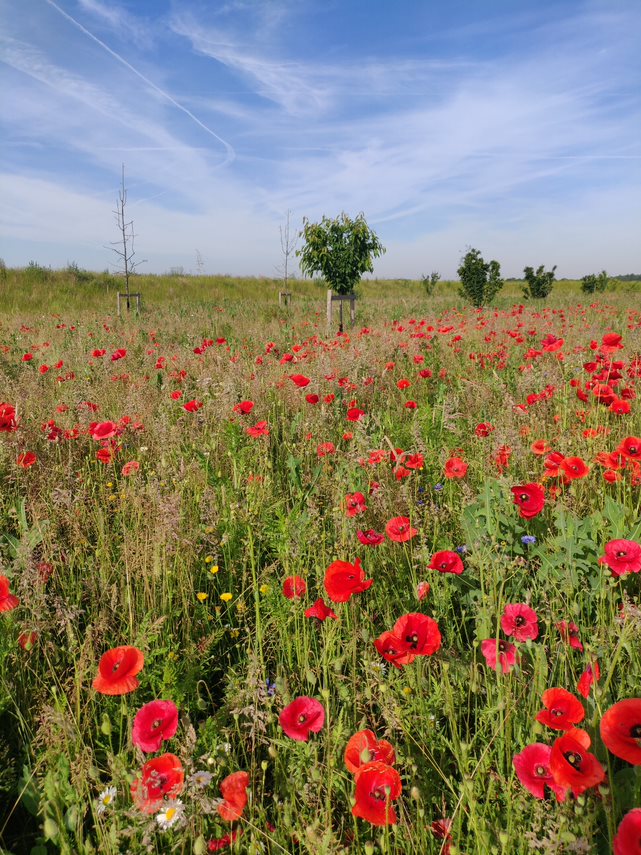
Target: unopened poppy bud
{"x":200,"y":846}
{"x":415,"y":794}
{"x":272,"y":752}
{"x":105,"y":727}
{"x":369,"y":848}
{"x":264,"y":764}
{"x":50,"y":828}
{"x":504,"y":838}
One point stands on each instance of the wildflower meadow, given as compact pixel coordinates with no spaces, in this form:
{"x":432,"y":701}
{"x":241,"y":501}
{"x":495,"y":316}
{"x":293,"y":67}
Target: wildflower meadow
{"x":267,"y":587}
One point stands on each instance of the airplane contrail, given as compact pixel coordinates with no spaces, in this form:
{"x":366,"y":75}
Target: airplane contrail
{"x":230,"y":153}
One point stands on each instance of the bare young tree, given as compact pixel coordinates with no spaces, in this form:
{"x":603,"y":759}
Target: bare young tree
{"x":126,"y":264}
{"x":200,"y":263}
{"x":288,"y":244}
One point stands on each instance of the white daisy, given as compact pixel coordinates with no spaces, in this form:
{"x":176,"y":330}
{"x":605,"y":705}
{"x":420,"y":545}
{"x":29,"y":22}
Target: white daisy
{"x":171,"y":815}
{"x":105,"y":799}
{"x":201,"y":779}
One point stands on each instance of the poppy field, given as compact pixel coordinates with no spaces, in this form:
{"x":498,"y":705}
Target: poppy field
{"x":266,"y":587}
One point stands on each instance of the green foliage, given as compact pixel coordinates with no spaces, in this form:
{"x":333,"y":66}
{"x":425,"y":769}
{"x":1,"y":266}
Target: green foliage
{"x":36,"y":273}
{"x":480,"y":280}
{"x":538,"y":285}
{"x":340,"y":249}
{"x":429,"y":282}
{"x":594,"y":282}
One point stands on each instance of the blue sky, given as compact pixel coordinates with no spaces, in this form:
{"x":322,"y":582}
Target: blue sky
{"x":510,"y":126}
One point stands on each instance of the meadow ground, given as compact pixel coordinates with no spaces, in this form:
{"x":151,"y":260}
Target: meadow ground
{"x":362,"y":572}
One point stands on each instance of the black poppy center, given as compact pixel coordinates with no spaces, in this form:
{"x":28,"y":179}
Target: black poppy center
{"x":523,"y":497}
{"x":574,"y":759}
{"x":519,"y":620}
{"x":412,"y":640}
{"x":302,"y":718}
{"x":635,"y":731}
{"x":622,"y":553}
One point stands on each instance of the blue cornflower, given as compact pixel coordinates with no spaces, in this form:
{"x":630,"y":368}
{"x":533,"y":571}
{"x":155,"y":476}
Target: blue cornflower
{"x":528,"y":539}
{"x":438,"y":487}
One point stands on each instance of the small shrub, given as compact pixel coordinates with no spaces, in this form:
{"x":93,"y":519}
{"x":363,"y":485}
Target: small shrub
{"x":480,"y":280}
{"x":429,"y":282}
{"x":594,"y":282}
{"x":538,"y":285}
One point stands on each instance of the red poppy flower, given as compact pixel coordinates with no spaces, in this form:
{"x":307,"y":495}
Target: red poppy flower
{"x":447,"y":561}
{"x":325,"y":448}
{"x":355,"y":504}
{"x":192,"y":406}
{"x":530,"y":499}
{"x":541,"y":446}
{"x":177,"y":395}
{"x":354,"y":414}
{"x":364,"y":748}
{"x":499,"y":654}
{"x":7,"y":600}
{"x":118,"y":354}
{"x":259,"y":429}
{"x":26,"y":459}
{"x":234,"y":792}
{"x":532,"y":767}
{"x":217,"y":844}
{"x":98,"y":353}
{"x":572,"y":765}
{"x":622,"y":556}
{"x":419,"y":632}
{"x":130,"y":468}
{"x":312,"y":399}
{"x":294,"y":587}
{"x":103,"y":430}
{"x":621,"y":730}
{"x":300,"y":718}
{"x":117,"y":671}
{"x":27,"y":640}
{"x":7,"y":418}
{"x":483,"y":429}
{"x":630,"y":448}
{"x":321,"y":611}
{"x":574,"y":468}
{"x":422,"y":590}
{"x":611,"y":342}
{"x":394,"y":649}
{"x":591,"y":674}
{"x":628,"y":837}
{"x":105,"y":455}
{"x":162,"y":776}
{"x":456,"y":467}
{"x":244,"y":408}
{"x":343,"y":579}
{"x":154,"y":722}
{"x":370,"y":537}
{"x":520,"y":621}
{"x":299,"y":380}
{"x":377,"y":786}
{"x":569,"y":632}
{"x":400,"y":530}
{"x":562,"y":710}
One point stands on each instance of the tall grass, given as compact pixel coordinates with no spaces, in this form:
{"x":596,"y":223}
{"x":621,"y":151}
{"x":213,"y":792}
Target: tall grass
{"x":212,"y":511}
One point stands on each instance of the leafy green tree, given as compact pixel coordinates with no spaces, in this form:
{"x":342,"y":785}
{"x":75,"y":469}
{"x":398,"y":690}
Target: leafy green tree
{"x":594,"y":282}
{"x":340,"y":249}
{"x":538,"y":285}
{"x":480,"y":280}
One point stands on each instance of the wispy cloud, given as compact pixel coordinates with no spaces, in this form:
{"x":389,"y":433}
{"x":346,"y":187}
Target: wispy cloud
{"x":128,"y":27}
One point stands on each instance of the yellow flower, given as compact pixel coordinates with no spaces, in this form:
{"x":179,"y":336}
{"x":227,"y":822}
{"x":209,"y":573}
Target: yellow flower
{"x":241,"y":607}
{"x":214,"y":568}
{"x":202,"y":596}
{"x":209,"y":559}
{"x":226,"y":597}
{"x":264,"y":589}
{"x":407,"y":690}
